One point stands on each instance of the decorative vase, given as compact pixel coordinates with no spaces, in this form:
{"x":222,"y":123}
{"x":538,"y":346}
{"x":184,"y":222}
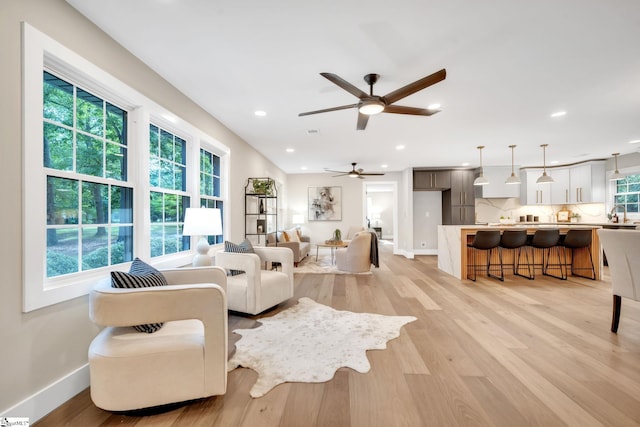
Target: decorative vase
{"x":261,"y":208}
{"x":337,"y":235}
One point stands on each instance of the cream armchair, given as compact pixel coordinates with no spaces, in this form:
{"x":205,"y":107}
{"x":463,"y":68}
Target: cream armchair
{"x":186,"y":359}
{"x":256,"y":290}
{"x":355,"y":258}
{"x":621,"y":249}
{"x":351,"y":232}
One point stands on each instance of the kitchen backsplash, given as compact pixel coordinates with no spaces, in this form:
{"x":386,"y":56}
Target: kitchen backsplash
{"x":490,"y":210}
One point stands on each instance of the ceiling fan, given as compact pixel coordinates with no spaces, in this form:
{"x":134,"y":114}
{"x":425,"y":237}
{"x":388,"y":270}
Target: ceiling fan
{"x":370,"y":104}
{"x":354,"y":173}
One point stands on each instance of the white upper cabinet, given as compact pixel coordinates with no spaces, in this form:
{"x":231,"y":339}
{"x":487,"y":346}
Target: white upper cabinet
{"x":496,"y":188}
{"x":532,"y":193}
{"x":582,"y":183}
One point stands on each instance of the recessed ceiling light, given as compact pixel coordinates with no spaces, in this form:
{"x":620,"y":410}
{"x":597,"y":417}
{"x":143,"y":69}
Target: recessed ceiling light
{"x":260,"y":113}
{"x":399,"y":147}
{"x":290,"y":150}
{"x":384,"y":166}
{"x":635,"y":141}
{"x":553,"y":162}
{"x":433,"y":107}
{"x":559,"y":114}
{"x":304,"y":168}
{"x":466,"y":164}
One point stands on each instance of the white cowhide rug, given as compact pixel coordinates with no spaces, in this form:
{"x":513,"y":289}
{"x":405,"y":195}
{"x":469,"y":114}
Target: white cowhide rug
{"x":309,"y":342}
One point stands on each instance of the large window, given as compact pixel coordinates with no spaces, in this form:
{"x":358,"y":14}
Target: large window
{"x":107,"y":176}
{"x":168,"y":198}
{"x":89,"y":205}
{"x":210,"y":193}
{"x":626,"y":193}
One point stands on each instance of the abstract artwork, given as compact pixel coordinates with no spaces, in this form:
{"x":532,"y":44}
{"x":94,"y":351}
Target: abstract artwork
{"x":325,"y":203}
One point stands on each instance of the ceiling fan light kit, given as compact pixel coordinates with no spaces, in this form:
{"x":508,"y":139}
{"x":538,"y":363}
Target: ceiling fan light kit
{"x":544,"y":178}
{"x":355,"y":173}
{"x":370,"y":104}
{"x":513,"y":178}
{"x":481,"y":180}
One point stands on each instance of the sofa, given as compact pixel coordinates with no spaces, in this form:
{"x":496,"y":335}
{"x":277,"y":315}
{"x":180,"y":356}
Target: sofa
{"x":292,"y":239}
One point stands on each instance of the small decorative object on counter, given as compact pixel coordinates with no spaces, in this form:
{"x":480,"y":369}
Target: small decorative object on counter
{"x":575,"y":217}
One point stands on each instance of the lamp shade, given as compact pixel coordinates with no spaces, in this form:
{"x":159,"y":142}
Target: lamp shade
{"x":297,"y":219}
{"x":202,"y":222}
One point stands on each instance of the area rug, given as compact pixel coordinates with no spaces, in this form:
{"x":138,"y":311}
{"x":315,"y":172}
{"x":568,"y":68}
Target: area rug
{"x":309,"y":342}
{"x":309,"y":265}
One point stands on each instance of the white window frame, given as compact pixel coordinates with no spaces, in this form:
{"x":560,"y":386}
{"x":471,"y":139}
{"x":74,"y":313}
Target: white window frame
{"x":41,"y":52}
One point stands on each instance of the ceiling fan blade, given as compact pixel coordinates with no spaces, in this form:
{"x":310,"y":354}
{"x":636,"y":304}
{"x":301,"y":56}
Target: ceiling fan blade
{"x":345,"y":85}
{"x":342,"y":174}
{"x":398,"y":109}
{"x":326,"y":110}
{"x":331,"y":170}
{"x":362,"y":121}
{"x":372,"y":173}
{"x":416,"y":86}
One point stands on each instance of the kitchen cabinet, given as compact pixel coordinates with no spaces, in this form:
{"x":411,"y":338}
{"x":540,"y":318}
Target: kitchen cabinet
{"x":497,"y":188}
{"x":588,"y":183}
{"x":458,"y":203}
{"x":532,"y":193}
{"x":431,"y":180}
{"x":560,"y":188}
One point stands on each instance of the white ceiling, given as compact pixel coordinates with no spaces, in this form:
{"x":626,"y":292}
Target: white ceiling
{"x":510,"y":64}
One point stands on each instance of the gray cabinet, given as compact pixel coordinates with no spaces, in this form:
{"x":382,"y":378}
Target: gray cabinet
{"x":458,"y":203}
{"x":431,"y":180}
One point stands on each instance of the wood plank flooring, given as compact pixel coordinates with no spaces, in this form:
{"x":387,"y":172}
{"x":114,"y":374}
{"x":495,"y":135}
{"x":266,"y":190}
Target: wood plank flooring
{"x":489,"y":353}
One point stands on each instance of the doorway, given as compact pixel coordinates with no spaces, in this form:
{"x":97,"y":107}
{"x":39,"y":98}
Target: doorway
{"x":380,"y":208}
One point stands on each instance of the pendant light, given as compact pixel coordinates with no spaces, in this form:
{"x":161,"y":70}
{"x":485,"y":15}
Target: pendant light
{"x":480,"y":180}
{"x":513,"y":178}
{"x":544,"y":178}
{"x":616,"y":174}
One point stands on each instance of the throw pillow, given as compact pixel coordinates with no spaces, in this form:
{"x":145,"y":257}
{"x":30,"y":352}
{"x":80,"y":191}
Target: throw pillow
{"x":285,"y":237}
{"x":244,"y":248}
{"x":140,"y":275}
{"x":293,"y":235}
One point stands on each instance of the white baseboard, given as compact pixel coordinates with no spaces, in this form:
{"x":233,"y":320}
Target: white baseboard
{"x":425,"y":251}
{"x":49,"y":398}
{"x":406,"y":254}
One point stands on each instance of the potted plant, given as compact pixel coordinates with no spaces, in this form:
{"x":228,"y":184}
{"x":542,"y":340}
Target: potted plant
{"x":575,"y":217}
{"x":263,"y":186}
{"x":337,"y":235}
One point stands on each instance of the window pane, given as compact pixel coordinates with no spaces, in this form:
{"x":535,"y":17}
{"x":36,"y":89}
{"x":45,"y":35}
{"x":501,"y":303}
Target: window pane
{"x":154,"y":171}
{"x":180,"y":151}
{"x":157,"y":207}
{"x":58,"y":147}
{"x":154,"y":143}
{"x":89,"y":155}
{"x":216,"y":187}
{"x":157,"y":239}
{"x":206,"y":165}
{"x":121,"y":244}
{"x":116,"y":124}
{"x":166,"y":175}
{"x":95,"y":202}
{"x":166,"y":145}
{"x":57,"y":100}
{"x":62,"y":201}
{"x":180,"y":178}
{"x":170,"y":208}
{"x":116,"y":166}
{"x":216,"y":165}
{"x":121,"y":205}
{"x":89,"y":113}
{"x":62,"y":251}
{"x":95,"y":248}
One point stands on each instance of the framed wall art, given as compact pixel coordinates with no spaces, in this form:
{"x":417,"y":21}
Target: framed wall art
{"x":325,"y":203}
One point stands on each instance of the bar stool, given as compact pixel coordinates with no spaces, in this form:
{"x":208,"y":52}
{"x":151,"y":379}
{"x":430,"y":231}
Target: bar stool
{"x":547,"y":240}
{"x":579,"y":239}
{"x":485,"y":240}
{"x":516,"y":240}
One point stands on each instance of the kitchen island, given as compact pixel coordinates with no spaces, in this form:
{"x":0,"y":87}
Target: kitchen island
{"x":453,"y":252}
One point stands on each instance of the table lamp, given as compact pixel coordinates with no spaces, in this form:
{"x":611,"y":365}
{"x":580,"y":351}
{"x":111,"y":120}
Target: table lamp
{"x":202,"y":222}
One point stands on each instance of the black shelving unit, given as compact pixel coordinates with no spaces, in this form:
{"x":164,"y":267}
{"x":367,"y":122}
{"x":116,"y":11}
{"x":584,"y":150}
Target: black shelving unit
{"x":260,"y":209}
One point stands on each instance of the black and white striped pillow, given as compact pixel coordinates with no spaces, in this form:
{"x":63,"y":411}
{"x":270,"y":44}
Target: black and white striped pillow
{"x":245,"y":248}
{"x":140,"y":275}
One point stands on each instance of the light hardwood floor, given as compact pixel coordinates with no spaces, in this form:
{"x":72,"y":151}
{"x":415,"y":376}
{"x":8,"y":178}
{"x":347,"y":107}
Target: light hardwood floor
{"x":517,"y":353}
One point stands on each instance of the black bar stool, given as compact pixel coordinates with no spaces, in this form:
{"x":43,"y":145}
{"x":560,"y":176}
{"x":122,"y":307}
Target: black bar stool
{"x":516,"y":240}
{"x":547,"y":239}
{"x":579,"y":239}
{"x":485,"y":240}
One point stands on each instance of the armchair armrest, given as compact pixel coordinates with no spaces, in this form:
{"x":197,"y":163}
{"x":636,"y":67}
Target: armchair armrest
{"x":279,"y":254}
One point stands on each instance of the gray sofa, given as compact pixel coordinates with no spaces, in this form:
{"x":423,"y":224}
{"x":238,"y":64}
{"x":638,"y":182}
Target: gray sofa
{"x":300,"y":249}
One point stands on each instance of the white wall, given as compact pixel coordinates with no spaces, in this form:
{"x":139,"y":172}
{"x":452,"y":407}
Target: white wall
{"x":352,"y":203}
{"x":427,"y":215}
{"x":381,"y":214}
{"x":44,"y":356}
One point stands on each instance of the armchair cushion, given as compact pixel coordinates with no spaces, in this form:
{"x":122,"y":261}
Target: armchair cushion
{"x":141,"y":275}
{"x":243,"y":248}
